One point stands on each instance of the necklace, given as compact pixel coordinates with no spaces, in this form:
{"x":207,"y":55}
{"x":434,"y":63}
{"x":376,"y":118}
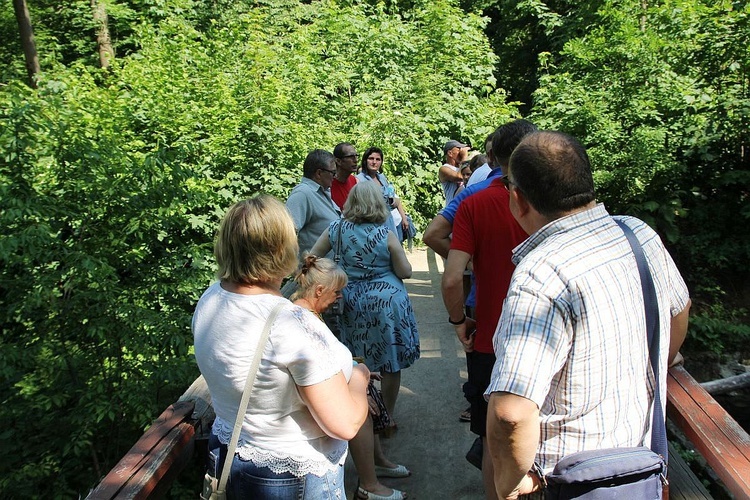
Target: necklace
{"x":307,"y":305}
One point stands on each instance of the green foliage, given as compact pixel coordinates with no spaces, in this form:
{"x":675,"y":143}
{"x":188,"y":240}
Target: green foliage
{"x":660,"y":99}
{"x":661,"y":135}
{"x":717,"y":329}
{"x":522,"y":32}
{"x":112,"y":184}
{"x":101,"y":269}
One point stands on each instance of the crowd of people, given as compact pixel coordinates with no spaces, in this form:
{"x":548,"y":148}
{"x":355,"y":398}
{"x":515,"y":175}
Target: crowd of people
{"x":553,"y":329}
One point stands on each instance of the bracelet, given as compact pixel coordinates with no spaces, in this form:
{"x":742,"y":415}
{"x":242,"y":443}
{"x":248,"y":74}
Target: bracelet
{"x":459,"y":322}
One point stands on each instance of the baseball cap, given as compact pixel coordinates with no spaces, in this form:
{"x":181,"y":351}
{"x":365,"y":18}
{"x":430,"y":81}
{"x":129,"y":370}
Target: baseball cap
{"x":453,"y":144}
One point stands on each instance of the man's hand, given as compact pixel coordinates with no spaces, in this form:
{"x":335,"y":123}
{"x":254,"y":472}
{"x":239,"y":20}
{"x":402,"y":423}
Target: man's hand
{"x":513,"y":438}
{"x":529,"y":484}
{"x":465,"y":333}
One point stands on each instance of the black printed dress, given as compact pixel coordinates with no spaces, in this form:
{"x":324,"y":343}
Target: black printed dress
{"x":378,"y":320}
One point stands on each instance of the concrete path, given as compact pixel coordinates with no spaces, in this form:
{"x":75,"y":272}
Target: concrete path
{"x":431,"y":441}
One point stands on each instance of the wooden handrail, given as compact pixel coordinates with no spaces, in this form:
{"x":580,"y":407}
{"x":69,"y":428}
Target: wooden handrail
{"x":152,"y":464}
{"x":715,"y":434}
{"x":155,"y":461}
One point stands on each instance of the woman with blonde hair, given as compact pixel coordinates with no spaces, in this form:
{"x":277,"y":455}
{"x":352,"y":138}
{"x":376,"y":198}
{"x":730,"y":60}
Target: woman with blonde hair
{"x":307,"y":400}
{"x":320,"y":283}
{"x":377,"y":322}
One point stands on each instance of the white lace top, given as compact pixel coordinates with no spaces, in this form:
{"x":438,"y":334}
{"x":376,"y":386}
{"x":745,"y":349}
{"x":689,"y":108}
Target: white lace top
{"x":279,"y":431}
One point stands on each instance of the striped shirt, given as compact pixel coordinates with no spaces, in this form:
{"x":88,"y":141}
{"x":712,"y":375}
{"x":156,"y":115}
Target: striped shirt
{"x":572,"y":335}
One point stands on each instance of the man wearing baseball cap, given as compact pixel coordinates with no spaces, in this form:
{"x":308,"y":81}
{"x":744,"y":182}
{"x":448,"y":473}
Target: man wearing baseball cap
{"x":454,"y":153}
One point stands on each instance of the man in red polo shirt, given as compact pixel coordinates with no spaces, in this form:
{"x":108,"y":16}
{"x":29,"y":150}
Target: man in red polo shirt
{"x":346,"y":165}
{"x":484,"y":233}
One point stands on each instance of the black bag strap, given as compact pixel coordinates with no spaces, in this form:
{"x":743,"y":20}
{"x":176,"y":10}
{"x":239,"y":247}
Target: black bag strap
{"x":658,"y":428}
{"x":337,"y":251}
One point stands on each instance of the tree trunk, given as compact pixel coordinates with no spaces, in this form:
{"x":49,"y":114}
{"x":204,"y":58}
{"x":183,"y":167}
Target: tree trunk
{"x":27,"y":40}
{"x":724,"y":385}
{"x":103,"y":41}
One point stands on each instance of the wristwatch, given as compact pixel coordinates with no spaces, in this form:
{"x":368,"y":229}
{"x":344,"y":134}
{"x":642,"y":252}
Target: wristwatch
{"x":456,"y":323}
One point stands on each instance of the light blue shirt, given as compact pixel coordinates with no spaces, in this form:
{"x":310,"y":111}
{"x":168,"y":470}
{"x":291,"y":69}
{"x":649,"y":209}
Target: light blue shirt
{"x":388,"y":191}
{"x":312,"y":210}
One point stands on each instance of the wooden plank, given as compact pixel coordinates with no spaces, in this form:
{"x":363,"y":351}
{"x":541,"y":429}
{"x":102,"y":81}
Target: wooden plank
{"x":718,"y":438}
{"x":683,"y":483}
{"x":154,"y":478}
{"x":155,"y":446}
{"x":722,"y":422}
{"x":203,"y":415}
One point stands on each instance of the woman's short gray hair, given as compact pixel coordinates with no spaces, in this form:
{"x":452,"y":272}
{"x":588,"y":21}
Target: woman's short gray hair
{"x":365,"y":203}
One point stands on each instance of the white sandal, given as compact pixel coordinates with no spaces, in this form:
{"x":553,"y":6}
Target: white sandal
{"x":398,"y":471}
{"x":363,"y":494}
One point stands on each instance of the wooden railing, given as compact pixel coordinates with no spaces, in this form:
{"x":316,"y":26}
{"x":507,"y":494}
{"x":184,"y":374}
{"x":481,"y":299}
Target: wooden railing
{"x":153,"y":463}
{"x":715,"y":434}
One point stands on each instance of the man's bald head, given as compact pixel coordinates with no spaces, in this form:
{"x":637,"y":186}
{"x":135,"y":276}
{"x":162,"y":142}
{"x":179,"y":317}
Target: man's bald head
{"x":553,"y":171}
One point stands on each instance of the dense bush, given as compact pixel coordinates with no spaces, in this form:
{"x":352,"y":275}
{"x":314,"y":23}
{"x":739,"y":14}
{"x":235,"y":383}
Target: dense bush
{"x":112,"y":184}
{"x":661,"y":98}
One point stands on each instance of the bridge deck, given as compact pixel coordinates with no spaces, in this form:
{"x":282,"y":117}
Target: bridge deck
{"x":431,"y":441}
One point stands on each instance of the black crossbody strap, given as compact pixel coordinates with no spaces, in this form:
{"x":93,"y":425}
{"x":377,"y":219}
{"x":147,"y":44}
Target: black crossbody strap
{"x":337,"y":252}
{"x":658,"y":429}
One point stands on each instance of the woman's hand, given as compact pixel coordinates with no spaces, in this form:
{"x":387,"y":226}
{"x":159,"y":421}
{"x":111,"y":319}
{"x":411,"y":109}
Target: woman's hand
{"x":339,"y":408}
{"x":361,"y":371}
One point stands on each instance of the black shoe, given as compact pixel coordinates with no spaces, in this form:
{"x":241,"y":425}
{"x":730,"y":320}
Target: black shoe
{"x":474,"y":455}
{"x":465,"y":415}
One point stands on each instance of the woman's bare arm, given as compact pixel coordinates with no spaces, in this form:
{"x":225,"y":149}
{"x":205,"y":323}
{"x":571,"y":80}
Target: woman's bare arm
{"x":339,"y":408}
{"x":322,"y":246}
{"x":400,"y":263}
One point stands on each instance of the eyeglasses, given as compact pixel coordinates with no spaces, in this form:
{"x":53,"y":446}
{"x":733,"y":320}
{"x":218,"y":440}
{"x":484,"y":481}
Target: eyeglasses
{"x":508,"y":183}
{"x":355,"y":155}
{"x":332,"y":172}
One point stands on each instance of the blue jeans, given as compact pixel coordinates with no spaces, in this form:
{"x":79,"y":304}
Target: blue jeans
{"x":247,"y":480}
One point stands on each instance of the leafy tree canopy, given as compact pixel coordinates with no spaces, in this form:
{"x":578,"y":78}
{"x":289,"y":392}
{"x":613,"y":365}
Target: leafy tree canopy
{"x":112,"y":184}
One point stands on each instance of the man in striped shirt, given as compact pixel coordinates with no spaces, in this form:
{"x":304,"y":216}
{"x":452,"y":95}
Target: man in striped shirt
{"x":572,"y":370}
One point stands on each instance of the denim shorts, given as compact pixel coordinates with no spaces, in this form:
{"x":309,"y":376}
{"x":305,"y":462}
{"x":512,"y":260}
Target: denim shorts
{"x":247,"y":480}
